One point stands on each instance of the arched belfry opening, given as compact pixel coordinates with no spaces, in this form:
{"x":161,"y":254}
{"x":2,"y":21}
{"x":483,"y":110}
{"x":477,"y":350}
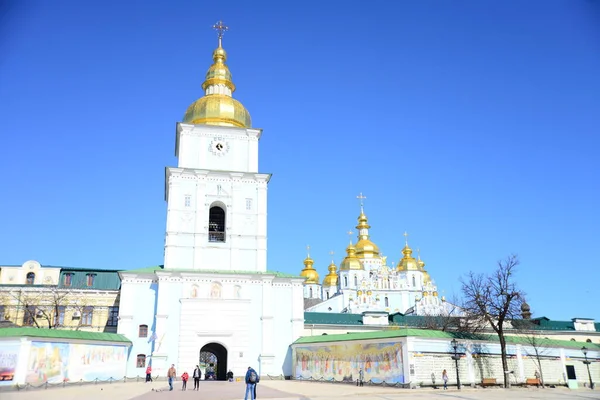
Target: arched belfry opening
{"x":213,"y":358}
{"x":216,"y":224}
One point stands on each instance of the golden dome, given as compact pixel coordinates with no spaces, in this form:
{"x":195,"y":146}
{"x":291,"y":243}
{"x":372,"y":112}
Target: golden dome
{"x":311,"y":275}
{"x":364,"y":246}
{"x":217,"y":107}
{"x":426,"y":277}
{"x":351,"y":262}
{"x":407,"y":263}
{"x":331,"y":279}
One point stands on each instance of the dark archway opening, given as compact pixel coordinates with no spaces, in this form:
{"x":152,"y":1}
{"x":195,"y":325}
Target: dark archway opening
{"x":213,"y":360}
{"x":216,"y":224}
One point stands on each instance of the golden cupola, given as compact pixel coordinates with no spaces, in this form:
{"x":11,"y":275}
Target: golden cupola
{"x":351,"y":261}
{"x":331,"y":279}
{"x":217,"y":106}
{"x":421,"y":266}
{"x":364,"y":247}
{"x":408,"y":262}
{"x":311,"y":274}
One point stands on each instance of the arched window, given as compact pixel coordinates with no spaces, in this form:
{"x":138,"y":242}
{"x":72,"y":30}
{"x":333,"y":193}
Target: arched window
{"x":311,"y":293}
{"x":414,"y":282}
{"x":216,"y":224}
{"x":141,"y":360}
{"x":143,"y":331}
{"x":346,"y":281}
{"x":589,"y":341}
{"x":355,"y":281}
{"x":387,"y":302}
{"x":30,"y":278}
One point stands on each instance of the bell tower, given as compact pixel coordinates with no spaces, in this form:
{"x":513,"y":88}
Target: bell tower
{"x":216,"y":198}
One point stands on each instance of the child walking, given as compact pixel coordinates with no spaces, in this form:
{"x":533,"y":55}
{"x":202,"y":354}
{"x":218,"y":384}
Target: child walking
{"x":184,"y":379}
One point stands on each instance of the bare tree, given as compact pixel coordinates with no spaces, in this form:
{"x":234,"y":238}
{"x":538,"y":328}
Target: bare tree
{"x":495,"y":298}
{"x":45,"y":308}
{"x":452,"y":319}
{"x":536,"y":345}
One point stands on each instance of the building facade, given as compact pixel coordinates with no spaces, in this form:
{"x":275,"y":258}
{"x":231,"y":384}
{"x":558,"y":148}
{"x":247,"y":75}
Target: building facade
{"x":214,"y":295}
{"x":365,"y":282}
{"x":60,"y":297}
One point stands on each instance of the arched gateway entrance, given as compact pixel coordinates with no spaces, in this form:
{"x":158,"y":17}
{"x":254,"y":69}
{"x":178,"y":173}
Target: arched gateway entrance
{"x":213,"y":357}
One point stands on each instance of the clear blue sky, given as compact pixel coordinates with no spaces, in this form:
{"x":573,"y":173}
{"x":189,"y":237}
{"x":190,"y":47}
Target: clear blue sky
{"x":472,"y":125}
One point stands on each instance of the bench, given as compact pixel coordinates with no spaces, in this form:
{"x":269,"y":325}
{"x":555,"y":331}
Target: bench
{"x":532,"y":381}
{"x":488,"y":382}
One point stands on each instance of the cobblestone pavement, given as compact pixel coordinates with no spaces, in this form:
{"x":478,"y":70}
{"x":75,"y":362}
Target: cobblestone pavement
{"x":288,"y":390}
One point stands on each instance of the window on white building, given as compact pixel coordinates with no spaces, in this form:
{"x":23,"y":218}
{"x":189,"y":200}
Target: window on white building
{"x":387,"y":302}
{"x":355,"y":281}
{"x":216,"y":224}
{"x":311,"y":293}
{"x":414,"y":282}
{"x":187,"y":200}
{"x":248,"y":204}
{"x":346,"y":281}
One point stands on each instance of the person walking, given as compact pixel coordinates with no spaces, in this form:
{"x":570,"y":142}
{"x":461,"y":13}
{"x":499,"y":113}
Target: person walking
{"x":149,"y":374}
{"x":197,"y":374}
{"x":361,"y":378}
{"x":184,"y":379}
{"x":171,"y":374}
{"x":445,"y":379}
{"x":251,"y":379}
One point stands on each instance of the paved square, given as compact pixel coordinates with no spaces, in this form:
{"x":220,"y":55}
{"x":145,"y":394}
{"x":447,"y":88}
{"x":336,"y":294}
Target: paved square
{"x":288,"y":390}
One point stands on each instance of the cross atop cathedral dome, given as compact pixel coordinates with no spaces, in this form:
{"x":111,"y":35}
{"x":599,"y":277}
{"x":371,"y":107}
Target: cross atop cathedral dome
{"x":217,"y":106}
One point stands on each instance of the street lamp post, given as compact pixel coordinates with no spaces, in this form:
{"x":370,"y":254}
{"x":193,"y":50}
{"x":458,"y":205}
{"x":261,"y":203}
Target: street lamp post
{"x":456,"y":357}
{"x":587,"y":364}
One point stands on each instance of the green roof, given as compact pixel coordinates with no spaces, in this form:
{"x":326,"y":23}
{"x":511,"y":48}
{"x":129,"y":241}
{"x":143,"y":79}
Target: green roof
{"x":150,"y":270}
{"x":323,"y":318}
{"x":103,"y":279}
{"x":61,"y":334}
{"x":434,"y":334}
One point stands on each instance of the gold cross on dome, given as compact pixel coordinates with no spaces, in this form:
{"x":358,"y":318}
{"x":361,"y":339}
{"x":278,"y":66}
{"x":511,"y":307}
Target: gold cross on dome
{"x":332,"y":253}
{"x":406,"y":238}
{"x":221,"y":28}
{"x":308,"y":250}
{"x":350,"y":233}
{"x":360,"y":198}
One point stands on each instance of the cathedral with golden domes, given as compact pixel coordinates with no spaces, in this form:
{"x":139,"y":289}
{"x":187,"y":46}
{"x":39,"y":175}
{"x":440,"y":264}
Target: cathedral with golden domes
{"x":364,"y":281}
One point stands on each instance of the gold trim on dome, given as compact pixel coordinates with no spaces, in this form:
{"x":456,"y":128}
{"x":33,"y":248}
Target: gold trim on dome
{"x":218,"y":108}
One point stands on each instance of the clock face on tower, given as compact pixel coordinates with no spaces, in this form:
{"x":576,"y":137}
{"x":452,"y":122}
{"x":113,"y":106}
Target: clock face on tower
{"x":218,"y":147}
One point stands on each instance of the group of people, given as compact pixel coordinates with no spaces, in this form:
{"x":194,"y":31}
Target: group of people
{"x":251,"y":379}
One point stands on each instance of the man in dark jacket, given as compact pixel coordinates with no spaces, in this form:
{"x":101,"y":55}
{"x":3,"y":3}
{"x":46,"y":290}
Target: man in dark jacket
{"x":251,"y":380}
{"x":197,"y":375}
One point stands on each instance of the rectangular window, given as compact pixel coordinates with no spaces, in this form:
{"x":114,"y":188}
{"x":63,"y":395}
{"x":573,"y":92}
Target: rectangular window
{"x":67,"y":280}
{"x":2,"y":313}
{"x":249,"y":204}
{"x":60,"y":316}
{"x":87,"y":316}
{"x":29,"y":316}
{"x":113,"y":316}
{"x":141,"y":360}
{"x":188,"y":200}
{"x":143,"y":331}
{"x":90,"y":279}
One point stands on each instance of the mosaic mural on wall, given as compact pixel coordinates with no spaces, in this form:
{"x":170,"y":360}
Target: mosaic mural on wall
{"x":342,"y":362}
{"x":63,"y":362}
{"x":9,"y":356}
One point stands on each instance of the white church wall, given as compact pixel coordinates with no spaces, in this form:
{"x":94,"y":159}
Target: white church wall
{"x":137,"y":307}
{"x":195,"y":142}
